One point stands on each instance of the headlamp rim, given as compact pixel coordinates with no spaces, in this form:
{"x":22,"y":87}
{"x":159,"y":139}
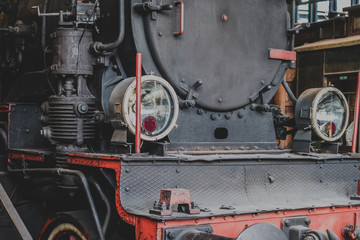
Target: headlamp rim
{"x":125,"y":102}
{"x":314,"y":107}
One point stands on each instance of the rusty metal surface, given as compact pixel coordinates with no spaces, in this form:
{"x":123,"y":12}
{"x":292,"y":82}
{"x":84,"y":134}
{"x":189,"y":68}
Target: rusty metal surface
{"x":13,"y":214}
{"x":242,"y":185}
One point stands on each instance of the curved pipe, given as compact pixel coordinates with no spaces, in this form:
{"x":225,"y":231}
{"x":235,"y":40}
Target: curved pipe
{"x":106,"y":201}
{"x":289,"y":92}
{"x":99,"y":46}
{"x":43,"y":27}
{"x":83,"y":181}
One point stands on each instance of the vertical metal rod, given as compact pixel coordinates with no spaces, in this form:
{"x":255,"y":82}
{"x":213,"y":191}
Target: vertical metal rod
{"x":138,"y":103}
{"x":356,"y":116}
{"x":13,"y":214}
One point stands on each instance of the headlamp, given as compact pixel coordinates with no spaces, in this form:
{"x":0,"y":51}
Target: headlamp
{"x":330,"y":114}
{"x":320,"y":113}
{"x":159,"y":106}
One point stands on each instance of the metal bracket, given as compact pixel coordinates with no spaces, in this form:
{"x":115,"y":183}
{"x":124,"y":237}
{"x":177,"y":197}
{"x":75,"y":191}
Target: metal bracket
{"x":191,"y":94}
{"x":295,"y":227}
{"x":153,"y":8}
{"x":170,"y":198}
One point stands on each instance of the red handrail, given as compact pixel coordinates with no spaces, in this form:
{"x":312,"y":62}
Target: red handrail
{"x":138,"y":103}
{"x":182,"y":18}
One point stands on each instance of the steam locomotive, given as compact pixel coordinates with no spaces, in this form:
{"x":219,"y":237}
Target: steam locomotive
{"x":97,"y":144}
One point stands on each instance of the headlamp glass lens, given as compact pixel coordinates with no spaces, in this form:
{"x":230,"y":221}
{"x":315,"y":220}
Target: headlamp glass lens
{"x":157,"y":108}
{"x":331,"y":114}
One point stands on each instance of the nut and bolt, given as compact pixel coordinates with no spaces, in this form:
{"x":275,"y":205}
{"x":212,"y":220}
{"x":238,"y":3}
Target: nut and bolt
{"x":171,"y":235}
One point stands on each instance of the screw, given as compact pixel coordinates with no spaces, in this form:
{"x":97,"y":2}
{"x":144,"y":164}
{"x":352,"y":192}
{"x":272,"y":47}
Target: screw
{"x":27,"y":130}
{"x":127,"y":189}
{"x":240,"y":115}
{"x":307,"y":221}
{"x":213,"y":117}
{"x":287,"y":223}
{"x":160,"y":34}
{"x":200,"y":112}
{"x":220,"y":100}
{"x":228,"y":116}
{"x":127,"y":170}
{"x":171,"y":235}
{"x":224,"y":18}
{"x":177,"y":170}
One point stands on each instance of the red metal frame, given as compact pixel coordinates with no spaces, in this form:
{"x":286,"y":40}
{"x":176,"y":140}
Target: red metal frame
{"x":231,"y":226}
{"x":110,"y":162}
{"x":26,"y":157}
{"x":5,"y":108}
{"x":356,"y":116}
{"x":282,"y":55}
{"x":333,"y":218}
{"x":182,"y":18}
{"x":138,"y":103}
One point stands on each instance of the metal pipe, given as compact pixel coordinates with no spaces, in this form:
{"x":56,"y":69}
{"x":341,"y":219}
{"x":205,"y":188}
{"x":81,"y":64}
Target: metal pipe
{"x":43,"y":27}
{"x":356,"y":116}
{"x":292,"y":24}
{"x":289,"y":92}
{"x":138,"y":103}
{"x":99,"y":46}
{"x":14,"y":215}
{"x":4,"y":137}
{"x":83,"y":181}
{"x":107,"y":204}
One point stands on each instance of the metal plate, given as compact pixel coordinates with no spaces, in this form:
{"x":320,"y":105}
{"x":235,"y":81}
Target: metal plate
{"x":249,"y":185}
{"x":231,"y":57}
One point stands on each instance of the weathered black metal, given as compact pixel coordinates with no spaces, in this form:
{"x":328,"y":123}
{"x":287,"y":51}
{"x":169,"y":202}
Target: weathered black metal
{"x":265,"y":231}
{"x":11,"y":211}
{"x":244,"y":178}
{"x":84,"y":183}
{"x":71,"y":54}
{"x":239,"y":69}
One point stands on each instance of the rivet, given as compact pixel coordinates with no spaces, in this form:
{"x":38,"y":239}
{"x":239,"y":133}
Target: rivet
{"x":240,"y":115}
{"x":127,"y":189}
{"x":224,"y":18}
{"x":220,"y":100}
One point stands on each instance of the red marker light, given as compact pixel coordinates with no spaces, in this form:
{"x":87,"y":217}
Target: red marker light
{"x":150,"y":124}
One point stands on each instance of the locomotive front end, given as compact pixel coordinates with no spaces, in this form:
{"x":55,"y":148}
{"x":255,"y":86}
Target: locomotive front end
{"x":183,"y":145}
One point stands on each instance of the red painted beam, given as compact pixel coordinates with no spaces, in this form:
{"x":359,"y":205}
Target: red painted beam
{"x":282,"y":55}
{"x":356,"y":116}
